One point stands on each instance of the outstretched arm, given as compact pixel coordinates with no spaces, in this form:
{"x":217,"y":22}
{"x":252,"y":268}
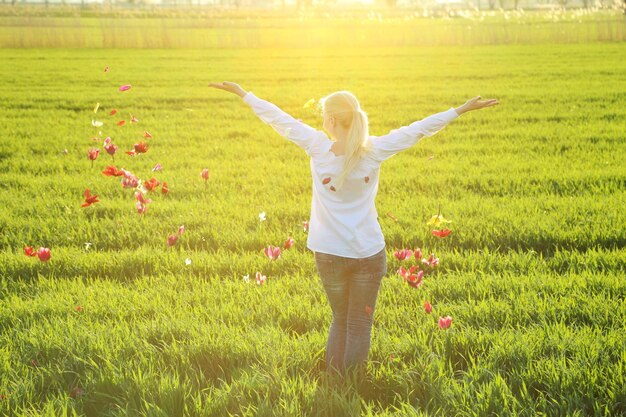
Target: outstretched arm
{"x":406,"y":136}
{"x":303,"y":135}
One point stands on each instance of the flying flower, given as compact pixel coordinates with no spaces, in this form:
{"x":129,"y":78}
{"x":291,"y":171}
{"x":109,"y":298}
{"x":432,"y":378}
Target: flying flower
{"x":262,"y":216}
{"x":29,"y":251}
{"x":78,"y":308}
{"x":289,"y":243}
{"x":112,"y":112}
{"x":141,"y":208}
{"x":260,"y":278}
{"x":441,"y":233}
{"x":141,"y":147}
{"x":106,"y":69}
{"x":188,"y":261}
{"x":95,"y":109}
{"x":111,"y":171}
{"x":125,"y":87}
{"x":43,"y":254}
{"x":272,"y":252}
{"x":394,"y":218}
{"x":147,"y":135}
{"x":427,"y":307}
{"x":133,"y":119}
{"x":403,"y":254}
{"x":246,"y":278}
{"x":121,"y":123}
{"x":157,"y":167}
{"x":129,"y":180}
{"x":445,"y":322}
{"x":309,"y":103}
{"x":96,"y":123}
{"x":164,"y":188}
{"x":437,"y":219}
{"x":89,"y":199}
{"x":368,"y":310}
{"x":205,"y":175}
{"x":305,"y":225}
{"x":140,"y":197}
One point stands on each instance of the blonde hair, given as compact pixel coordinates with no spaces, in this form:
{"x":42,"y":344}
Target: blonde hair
{"x":344,"y":106}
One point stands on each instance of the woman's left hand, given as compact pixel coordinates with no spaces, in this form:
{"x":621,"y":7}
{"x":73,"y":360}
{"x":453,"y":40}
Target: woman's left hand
{"x":231,"y":87}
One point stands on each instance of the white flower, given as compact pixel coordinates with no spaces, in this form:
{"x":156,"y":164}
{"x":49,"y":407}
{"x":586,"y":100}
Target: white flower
{"x":87,"y":245}
{"x":96,"y":123}
{"x":188,"y":261}
{"x":262,"y":216}
{"x":246,"y":278}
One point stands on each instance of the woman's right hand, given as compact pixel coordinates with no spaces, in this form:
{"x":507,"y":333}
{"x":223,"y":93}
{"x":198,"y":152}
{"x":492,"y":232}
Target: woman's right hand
{"x":475,"y":104}
{"x":230,"y":87}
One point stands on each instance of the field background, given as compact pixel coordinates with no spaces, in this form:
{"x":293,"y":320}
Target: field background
{"x":533,"y":273}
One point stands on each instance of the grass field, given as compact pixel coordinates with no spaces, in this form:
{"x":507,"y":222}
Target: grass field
{"x":117,"y":323}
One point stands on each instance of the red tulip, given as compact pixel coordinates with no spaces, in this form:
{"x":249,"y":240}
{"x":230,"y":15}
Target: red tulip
{"x":125,"y":87}
{"x":29,"y":251}
{"x":43,"y":254}
{"x":205,"y":174}
{"x":113,"y":112}
{"x":151,"y":184}
{"x":403,"y":254}
{"x":260,"y":278}
{"x":272,"y":252}
{"x":326,"y":180}
{"x":441,"y":233}
{"x":141,"y":147}
{"x":445,"y":322}
{"x":78,"y":308}
{"x":427,"y":307}
{"x":147,"y":134}
{"x":418,"y":254}
{"x":431,"y":261}
{"x":121,"y":123}
{"x":164,"y":188}
{"x":414,"y":280}
{"x":289,"y":242}
{"x":111,"y":171}
{"x":89,"y":199}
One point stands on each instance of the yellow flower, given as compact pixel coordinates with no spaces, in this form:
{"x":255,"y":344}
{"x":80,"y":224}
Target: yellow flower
{"x":95,"y":109}
{"x":437,"y":219}
{"x":309,"y":103}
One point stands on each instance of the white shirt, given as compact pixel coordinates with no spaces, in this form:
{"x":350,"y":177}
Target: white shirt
{"x":345,"y":222}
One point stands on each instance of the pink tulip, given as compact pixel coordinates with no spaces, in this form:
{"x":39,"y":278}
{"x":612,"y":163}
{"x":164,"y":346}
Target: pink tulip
{"x":125,"y":87}
{"x":141,"y":208}
{"x":272,"y":252}
{"x":171,"y":240}
{"x":140,"y":198}
{"x":43,"y":254}
{"x":181,"y":229}
{"x":403,"y":254}
{"x":431,"y":261}
{"x":157,"y":167}
{"x":445,"y":322}
{"x":427,"y":307}
{"x":289,"y":242}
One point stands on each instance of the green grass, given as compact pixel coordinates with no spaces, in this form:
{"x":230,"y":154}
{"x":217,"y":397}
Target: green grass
{"x":533,"y":273}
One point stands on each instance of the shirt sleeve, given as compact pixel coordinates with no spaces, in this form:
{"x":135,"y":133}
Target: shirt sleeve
{"x":397,"y":140}
{"x":303,"y":135}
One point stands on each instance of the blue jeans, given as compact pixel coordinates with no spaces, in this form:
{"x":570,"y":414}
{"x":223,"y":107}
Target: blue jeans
{"x":351,"y":285}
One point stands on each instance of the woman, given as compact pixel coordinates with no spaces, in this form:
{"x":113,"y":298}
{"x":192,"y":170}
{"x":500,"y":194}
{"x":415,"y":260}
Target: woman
{"x":344,"y":233}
